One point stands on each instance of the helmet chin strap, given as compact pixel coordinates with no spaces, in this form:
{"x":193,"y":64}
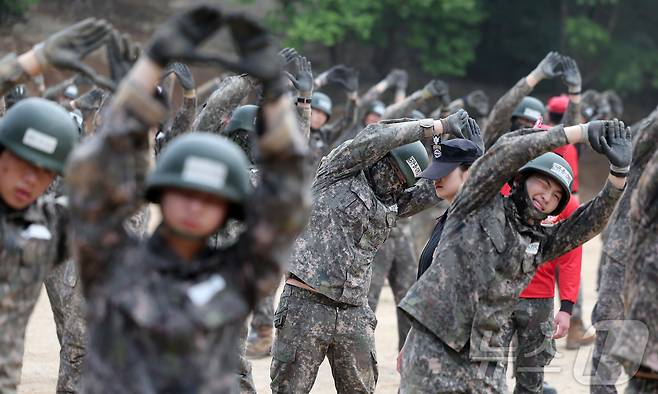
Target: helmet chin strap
{"x":524,"y":205}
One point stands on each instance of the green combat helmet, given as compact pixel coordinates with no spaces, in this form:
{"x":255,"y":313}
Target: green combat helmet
{"x":40,"y":132}
{"x":322,"y":103}
{"x":242,"y":128}
{"x":243,"y":118}
{"x":529,"y":108}
{"x":376,"y":107}
{"x":558,"y":169}
{"x":203,"y":162}
{"x":411,"y":159}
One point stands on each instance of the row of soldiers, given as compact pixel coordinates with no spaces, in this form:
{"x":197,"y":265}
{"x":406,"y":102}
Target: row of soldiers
{"x":285,"y":192}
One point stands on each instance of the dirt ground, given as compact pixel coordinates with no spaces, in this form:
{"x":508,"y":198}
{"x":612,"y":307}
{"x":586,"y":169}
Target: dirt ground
{"x":568,"y":371}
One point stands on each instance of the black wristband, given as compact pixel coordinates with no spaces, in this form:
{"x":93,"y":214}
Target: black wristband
{"x":566,"y":306}
{"x":574,"y":93}
{"x":618,"y":174}
{"x":304,"y":100}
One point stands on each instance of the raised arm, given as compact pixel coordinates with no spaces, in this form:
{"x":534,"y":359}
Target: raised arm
{"x":434,"y":88}
{"x":572,"y":79}
{"x":376,"y":140}
{"x":186,"y":112}
{"x":591,"y":218}
{"x":65,"y":49}
{"x":106,"y":174}
{"x":498,"y":122}
{"x":221,"y":104}
{"x":301,"y":78}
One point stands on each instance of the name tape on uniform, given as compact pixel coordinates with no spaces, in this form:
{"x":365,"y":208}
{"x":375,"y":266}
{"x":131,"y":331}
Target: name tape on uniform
{"x":37,"y":231}
{"x":203,"y":292}
{"x":40,"y":141}
{"x":413,"y":164}
{"x":204,"y":171}
{"x":562,"y":172}
{"x":531,"y":113}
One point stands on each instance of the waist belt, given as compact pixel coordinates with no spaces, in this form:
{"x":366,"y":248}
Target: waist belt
{"x":316,"y":297}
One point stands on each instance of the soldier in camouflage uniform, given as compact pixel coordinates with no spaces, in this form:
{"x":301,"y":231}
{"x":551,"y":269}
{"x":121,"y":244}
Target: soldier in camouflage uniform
{"x":608,"y":311}
{"x":490,"y":248}
{"x":396,"y":258}
{"x":360,"y":190}
{"x":636,"y":345}
{"x":165,"y":314}
{"x":324,"y":134}
{"x":34,"y":234}
{"x":533,"y":325}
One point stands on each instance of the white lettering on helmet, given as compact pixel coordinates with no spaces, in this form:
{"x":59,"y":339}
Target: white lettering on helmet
{"x":413,"y":164}
{"x":531,"y":113}
{"x":40,"y":141}
{"x":532,"y":248}
{"x":562,"y":172}
{"x":204,"y":172}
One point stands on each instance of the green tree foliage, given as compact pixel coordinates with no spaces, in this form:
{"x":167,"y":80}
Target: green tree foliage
{"x":442,"y":33}
{"x":14,"y":8}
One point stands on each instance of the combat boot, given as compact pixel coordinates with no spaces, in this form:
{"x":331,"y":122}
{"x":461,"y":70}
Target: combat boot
{"x":260,"y":345}
{"x":575,"y":336}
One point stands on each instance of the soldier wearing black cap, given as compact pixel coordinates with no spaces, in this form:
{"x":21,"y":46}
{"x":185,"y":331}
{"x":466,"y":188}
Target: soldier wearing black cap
{"x":448,"y":171}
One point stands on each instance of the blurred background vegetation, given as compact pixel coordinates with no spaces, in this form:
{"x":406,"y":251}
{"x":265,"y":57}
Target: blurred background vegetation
{"x":486,"y":43}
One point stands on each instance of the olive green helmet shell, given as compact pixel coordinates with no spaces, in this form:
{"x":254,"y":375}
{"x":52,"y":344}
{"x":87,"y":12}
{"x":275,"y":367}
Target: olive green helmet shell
{"x":322,"y":103}
{"x":411,"y":159}
{"x":554,"y":166}
{"x":529,"y":108}
{"x":243,"y":118}
{"x":376,"y":107}
{"x":40,"y":132}
{"x":203,"y":162}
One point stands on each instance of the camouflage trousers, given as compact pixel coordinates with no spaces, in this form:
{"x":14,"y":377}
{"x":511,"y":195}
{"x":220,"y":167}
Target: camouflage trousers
{"x":245,"y":377}
{"x":642,"y":386}
{"x":396,"y":261}
{"x":67,"y":302}
{"x":606,"y":316}
{"x":429,"y":366}
{"x":311,"y":327}
{"x":533,"y":347}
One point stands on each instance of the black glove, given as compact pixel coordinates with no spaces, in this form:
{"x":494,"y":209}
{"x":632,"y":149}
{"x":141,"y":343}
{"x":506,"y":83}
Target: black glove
{"x":178,"y":38}
{"x":438,"y":88}
{"x":288,"y":55}
{"x":183,"y":75}
{"x":617,"y":147}
{"x":455,"y":123}
{"x":344,"y":76}
{"x":472,"y":133}
{"x":302,"y":74}
{"x":66,"y":49}
{"x":571,"y":75}
{"x":548,"y":67}
{"x":122,"y":53}
{"x":479,"y":101}
{"x":394,"y":76}
{"x":258,"y":54}
{"x":594,"y":131}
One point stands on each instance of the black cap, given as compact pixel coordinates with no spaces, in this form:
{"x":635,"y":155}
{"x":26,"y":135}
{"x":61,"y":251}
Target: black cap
{"x":454,"y":152}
